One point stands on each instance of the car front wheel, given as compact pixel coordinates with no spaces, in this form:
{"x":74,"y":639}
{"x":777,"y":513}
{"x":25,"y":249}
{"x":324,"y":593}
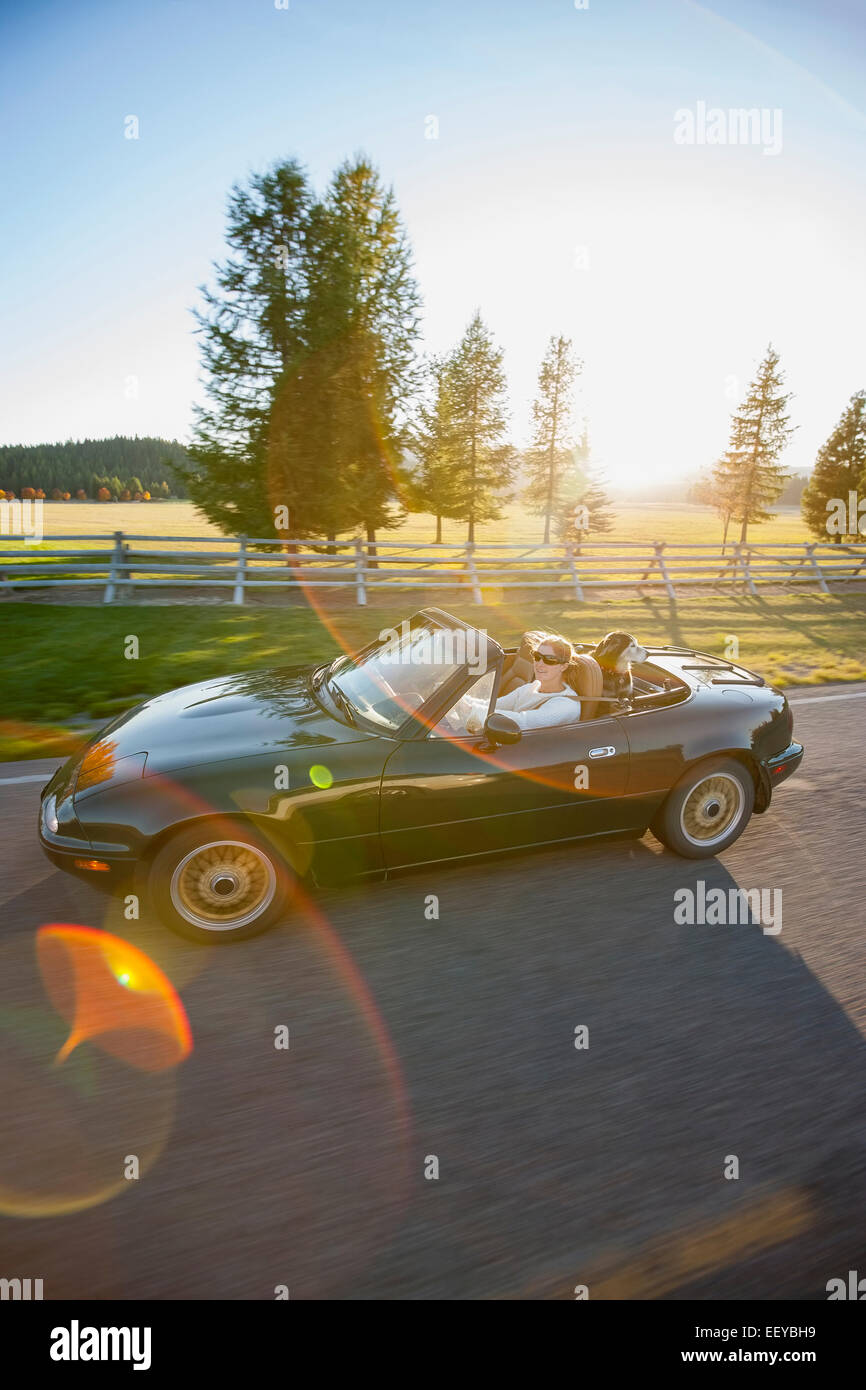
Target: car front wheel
{"x":707,"y":810}
{"x":217,"y":884}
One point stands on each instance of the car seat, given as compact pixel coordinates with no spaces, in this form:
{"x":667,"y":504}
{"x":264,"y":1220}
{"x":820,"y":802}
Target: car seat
{"x":587,"y":679}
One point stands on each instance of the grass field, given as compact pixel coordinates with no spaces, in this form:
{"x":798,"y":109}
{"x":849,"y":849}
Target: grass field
{"x":676,"y":525}
{"x":61,"y":663}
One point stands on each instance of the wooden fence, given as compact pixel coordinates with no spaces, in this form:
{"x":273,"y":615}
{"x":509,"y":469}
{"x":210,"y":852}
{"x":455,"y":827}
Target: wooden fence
{"x":237,"y":564}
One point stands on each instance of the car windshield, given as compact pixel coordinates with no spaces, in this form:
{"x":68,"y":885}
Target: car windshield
{"x":388,"y":684}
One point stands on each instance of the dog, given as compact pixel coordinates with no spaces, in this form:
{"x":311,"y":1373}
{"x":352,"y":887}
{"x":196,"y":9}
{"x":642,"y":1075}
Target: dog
{"x":616,"y":654}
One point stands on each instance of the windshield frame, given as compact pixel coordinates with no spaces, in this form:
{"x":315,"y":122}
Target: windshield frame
{"x":417,"y":723}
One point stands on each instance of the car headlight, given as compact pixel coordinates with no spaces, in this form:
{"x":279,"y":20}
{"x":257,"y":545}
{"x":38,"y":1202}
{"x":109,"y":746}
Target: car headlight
{"x":49,"y":815}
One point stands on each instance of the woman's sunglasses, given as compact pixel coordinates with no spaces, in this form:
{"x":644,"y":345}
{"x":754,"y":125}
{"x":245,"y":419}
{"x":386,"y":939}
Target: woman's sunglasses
{"x":548,"y":660}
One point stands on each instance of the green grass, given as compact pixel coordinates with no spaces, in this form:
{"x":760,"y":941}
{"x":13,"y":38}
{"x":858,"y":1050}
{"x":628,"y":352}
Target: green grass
{"x":62,"y":663}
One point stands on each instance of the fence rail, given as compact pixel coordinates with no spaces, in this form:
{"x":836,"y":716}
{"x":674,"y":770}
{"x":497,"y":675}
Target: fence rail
{"x":240,"y":563}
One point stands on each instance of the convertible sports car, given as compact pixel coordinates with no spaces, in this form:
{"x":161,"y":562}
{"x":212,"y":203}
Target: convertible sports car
{"x":216,"y":800}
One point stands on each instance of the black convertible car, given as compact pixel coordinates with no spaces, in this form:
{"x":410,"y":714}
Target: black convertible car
{"x":217,"y":799}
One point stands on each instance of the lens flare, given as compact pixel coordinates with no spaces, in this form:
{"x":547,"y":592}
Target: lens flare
{"x":111,"y":994}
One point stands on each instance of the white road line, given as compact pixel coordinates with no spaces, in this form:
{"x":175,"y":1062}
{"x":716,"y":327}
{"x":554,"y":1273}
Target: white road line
{"x":9,"y":781}
{"x":819,"y":699}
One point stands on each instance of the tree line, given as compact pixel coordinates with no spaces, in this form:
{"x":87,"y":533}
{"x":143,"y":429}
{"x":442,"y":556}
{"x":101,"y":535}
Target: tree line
{"x":322,"y":417}
{"x":321,"y":410}
{"x":80,"y":468}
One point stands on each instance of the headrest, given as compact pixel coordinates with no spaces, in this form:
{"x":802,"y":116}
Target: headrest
{"x":522,"y":668}
{"x":587,"y":679}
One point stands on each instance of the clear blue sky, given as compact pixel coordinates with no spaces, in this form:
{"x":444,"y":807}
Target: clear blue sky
{"x":555,"y":198}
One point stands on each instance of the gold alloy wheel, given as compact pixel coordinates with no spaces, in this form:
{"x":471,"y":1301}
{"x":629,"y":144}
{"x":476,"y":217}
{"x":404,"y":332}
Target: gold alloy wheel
{"x":712,"y":809}
{"x":223,"y":886}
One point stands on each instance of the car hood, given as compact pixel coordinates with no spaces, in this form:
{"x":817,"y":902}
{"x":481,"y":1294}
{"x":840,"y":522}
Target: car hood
{"x":231,"y":717}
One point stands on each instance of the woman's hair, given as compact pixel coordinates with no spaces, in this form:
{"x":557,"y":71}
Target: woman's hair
{"x":562,"y":648}
{"x":560,"y":645}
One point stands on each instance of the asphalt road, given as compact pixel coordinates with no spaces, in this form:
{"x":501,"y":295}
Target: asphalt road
{"x":453,"y":1039}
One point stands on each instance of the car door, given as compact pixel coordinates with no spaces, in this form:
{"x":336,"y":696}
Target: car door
{"x":447,"y":797}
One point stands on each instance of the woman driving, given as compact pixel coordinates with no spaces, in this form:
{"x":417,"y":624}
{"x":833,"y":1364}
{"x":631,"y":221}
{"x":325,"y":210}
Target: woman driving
{"x":547,"y":700}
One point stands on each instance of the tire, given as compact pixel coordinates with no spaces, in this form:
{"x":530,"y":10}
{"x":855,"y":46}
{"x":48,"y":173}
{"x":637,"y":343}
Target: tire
{"x":219,"y":882}
{"x":707,"y":810}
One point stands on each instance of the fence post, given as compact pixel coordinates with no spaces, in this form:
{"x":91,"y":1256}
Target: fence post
{"x":116,"y":559}
{"x":658,"y":547}
{"x":578,"y":587}
{"x":472,"y":572}
{"x":810,"y":550}
{"x":743,"y":562}
{"x":241,"y":575}
{"x":360,"y":586}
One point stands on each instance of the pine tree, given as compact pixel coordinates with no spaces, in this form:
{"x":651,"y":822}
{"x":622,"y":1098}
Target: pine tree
{"x":550,"y":459}
{"x":749,"y":478}
{"x":251,"y":332}
{"x":434,"y":487}
{"x":361,"y":323}
{"x":840,"y":469}
{"x":584,"y":505}
{"x":484,"y":464}
{"x":308,"y":344}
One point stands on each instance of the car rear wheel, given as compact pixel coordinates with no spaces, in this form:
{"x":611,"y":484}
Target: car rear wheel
{"x":219,"y":883}
{"x":707,"y":810}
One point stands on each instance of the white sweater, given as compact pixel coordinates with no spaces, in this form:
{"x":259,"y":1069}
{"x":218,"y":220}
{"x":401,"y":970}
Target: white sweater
{"x":528,"y":705}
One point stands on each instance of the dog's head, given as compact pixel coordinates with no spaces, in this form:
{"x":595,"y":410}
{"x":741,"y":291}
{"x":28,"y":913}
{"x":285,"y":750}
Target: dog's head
{"x":619,"y":650}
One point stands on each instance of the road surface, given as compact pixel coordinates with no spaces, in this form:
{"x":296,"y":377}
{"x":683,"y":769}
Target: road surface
{"x":418,"y":1044}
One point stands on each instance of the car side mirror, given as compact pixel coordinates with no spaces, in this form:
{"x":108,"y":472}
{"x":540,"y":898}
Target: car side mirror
{"x":500,"y":729}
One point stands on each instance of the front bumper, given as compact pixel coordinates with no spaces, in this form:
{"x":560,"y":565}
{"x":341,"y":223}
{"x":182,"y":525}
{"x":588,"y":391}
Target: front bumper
{"x":65,"y":845}
{"x":108,"y":874}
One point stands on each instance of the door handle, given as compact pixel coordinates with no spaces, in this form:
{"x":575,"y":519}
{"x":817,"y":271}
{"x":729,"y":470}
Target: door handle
{"x":601,"y":752}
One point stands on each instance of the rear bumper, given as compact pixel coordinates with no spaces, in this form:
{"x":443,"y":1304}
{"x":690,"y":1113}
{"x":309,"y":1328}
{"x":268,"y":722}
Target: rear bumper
{"x":783,"y":765}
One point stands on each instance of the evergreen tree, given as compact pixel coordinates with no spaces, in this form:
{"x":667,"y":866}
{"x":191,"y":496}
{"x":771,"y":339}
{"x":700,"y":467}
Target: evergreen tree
{"x":308,"y":343}
{"x":251,"y":331}
{"x":749,"y":478}
{"x":550,"y":459}
{"x":840,"y":468}
{"x":584,"y":505}
{"x":434,"y":486}
{"x":484,"y":464}
{"x":361,"y":329}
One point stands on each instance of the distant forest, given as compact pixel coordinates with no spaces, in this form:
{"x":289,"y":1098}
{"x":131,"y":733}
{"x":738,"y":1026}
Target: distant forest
{"x":82,"y":465}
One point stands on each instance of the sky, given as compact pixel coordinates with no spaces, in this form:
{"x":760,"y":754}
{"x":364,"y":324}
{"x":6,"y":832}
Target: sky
{"x":571,"y":187}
